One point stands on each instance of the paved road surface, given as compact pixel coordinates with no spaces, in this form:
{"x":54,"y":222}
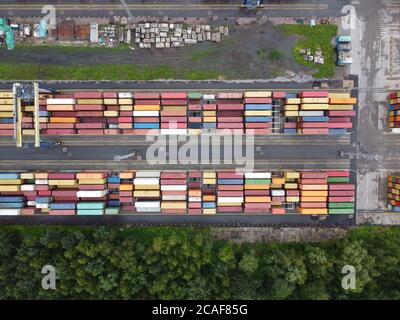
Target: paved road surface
{"x":174,"y":8}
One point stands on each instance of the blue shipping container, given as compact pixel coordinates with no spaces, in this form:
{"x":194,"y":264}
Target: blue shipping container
{"x":149,"y":125}
{"x":9,"y":175}
{"x":62,"y":206}
{"x":258,"y":119}
{"x":230,"y":181}
{"x":315,"y":119}
{"x":12,"y":199}
{"x":258,"y":106}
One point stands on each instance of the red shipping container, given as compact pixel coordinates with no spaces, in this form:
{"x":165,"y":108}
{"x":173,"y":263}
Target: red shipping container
{"x":230,"y":114}
{"x":314,"y":94}
{"x":173,"y":182}
{"x":112,"y":108}
{"x":173,"y":175}
{"x":230,"y":107}
{"x":258,"y":125}
{"x":89,"y":107}
{"x":171,"y":102}
{"x":313,"y":175}
{"x":230,"y":95}
{"x":290,"y":125}
{"x":150,"y":102}
{"x":194,"y":205}
{"x":313,"y":181}
{"x":112,"y":120}
{"x":230,"y":119}
{"x":125,"y":113}
{"x":341,"y":199}
{"x":173,"y":95}
{"x":94,"y":120}
{"x":173,"y":211}
{"x":195,"y":107}
{"x":60,"y":125}
{"x":125,"y":119}
{"x":338,"y":173}
{"x":195,"y":211}
{"x":110,"y":95}
{"x":195,"y":119}
{"x":229,"y":125}
{"x":146,"y":119}
{"x":313,"y":125}
{"x":89,"y":113}
{"x":229,"y":187}
{"x":173,"y":119}
{"x":6,"y":132}
{"x":146,"y":95}
{"x":27,"y":211}
{"x":111,"y":131}
{"x":342,"y":113}
{"x":88,"y":95}
{"x":62,"y":212}
{"x":342,"y":186}
{"x":44,"y":193}
{"x":230,"y":209}
{"x":230,"y":175}
{"x":256,"y":192}
{"x":313,"y":204}
{"x":209,"y":107}
{"x":278,"y":95}
{"x":174,"y":193}
{"x":340,"y":125}
{"x":65,"y":199}
{"x":340,"y":193}
{"x":64,"y":193}
{"x":89,"y":125}
{"x":195,"y":174}
{"x":255,"y":205}
{"x":61,"y":175}
{"x":60,"y":131}
{"x":173,"y":113}
{"x":92,"y":187}
{"x":257,"y":100}
{"x":91,"y":131}
{"x":230,"y":193}
{"x":315,"y":131}
{"x":278,"y":210}
{"x":339,"y":119}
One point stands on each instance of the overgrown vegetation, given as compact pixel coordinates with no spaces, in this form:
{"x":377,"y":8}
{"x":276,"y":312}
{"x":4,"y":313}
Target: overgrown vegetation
{"x":262,"y":53}
{"x":29,"y":71}
{"x":275,"y":55}
{"x":185,"y":263}
{"x":318,"y":37}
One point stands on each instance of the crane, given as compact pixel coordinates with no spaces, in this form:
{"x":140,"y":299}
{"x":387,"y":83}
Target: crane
{"x":6,"y":30}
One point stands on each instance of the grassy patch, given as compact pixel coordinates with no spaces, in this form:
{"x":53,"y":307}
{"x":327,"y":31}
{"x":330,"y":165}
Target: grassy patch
{"x":26,"y":71}
{"x":262,"y":53}
{"x":275,"y":55}
{"x":315,"y":38}
{"x":201,"y":54}
{"x":72,"y":48}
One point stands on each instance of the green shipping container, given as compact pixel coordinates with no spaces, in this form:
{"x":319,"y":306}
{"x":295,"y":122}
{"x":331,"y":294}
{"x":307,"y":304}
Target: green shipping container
{"x":341,"y":211}
{"x":112,"y":211}
{"x":194,"y":95}
{"x":90,"y":205}
{"x":96,"y":212}
{"x":258,"y":181}
{"x":338,"y":179}
{"x":341,"y":205}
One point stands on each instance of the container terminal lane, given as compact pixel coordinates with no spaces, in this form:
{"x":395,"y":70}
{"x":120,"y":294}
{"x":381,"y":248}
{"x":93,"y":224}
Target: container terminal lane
{"x":276,"y":152}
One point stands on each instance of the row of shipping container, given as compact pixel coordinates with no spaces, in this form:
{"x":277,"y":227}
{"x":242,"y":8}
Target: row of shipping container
{"x":394,"y":112}
{"x":393,"y":193}
{"x":109,"y":113}
{"x":170,"y":192}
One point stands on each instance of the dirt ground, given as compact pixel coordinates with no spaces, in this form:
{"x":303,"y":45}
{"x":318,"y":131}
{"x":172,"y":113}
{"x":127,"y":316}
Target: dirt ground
{"x":243,"y":55}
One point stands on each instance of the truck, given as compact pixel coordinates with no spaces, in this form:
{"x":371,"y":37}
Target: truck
{"x":43,"y":144}
{"x":343,"y":48}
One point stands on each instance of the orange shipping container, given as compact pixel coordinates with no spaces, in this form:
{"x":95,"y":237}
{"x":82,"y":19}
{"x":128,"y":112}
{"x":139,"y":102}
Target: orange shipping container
{"x":62,"y":120}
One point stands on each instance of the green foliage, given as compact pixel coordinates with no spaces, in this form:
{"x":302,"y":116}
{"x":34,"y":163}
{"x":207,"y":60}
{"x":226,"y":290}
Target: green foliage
{"x":275,"y":55}
{"x":317,"y":37}
{"x":187,"y":263}
{"x":262,"y":53}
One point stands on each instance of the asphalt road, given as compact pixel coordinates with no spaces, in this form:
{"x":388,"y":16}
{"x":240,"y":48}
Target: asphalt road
{"x":173,"y":8}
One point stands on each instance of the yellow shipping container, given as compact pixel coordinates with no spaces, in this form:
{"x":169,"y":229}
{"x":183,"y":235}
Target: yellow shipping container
{"x":138,"y":107}
{"x":127,"y":175}
{"x":125,"y":101}
{"x":6,"y":94}
{"x":313,"y":210}
{"x":27,"y":175}
{"x":28,"y":132}
{"x":10,"y":181}
{"x":314,"y":187}
{"x":10,"y":188}
{"x":293,"y":101}
{"x":339,"y":95}
{"x":256,"y":186}
{"x":110,"y":101}
{"x":291,"y":174}
{"x":63,"y":182}
{"x":209,"y":181}
{"x":343,"y":100}
{"x":89,"y":175}
{"x":291,"y":113}
{"x":150,"y":194}
{"x":313,"y":199}
{"x":41,"y":175}
{"x":6,"y":115}
{"x":173,"y":204}
{"x":43,"y":120}
{"x":319,"y":193}
{"x":208,"y":198}
{"x":174,"y":108}
{"x":111,"y":113}
{"x":291,"y":107}
{"x":209,"y":119}
{"x":292,"y":199}
{"x":92,"y":181}
{"x":257,"y":199}
{"x":341,"y":107}
{"x":258,"y":94}
{"x":194,"y":131}
{"x":62,"y":120}
{"x":126,"y":187}
{"x":6,"y":101}
{"x":208,"y":113}
{"x":229,"y":204}
{"x":209,"y":175}
{"x":90,"y":101}
{"x":315,"y":100}
{"x":291,"y":185}
{"x":7,"y":107}
{"x":60,"y":107}
{"x":147,"y":186}
{"x":28,"y":108}
{"x":209,"y":211}
{"x":258,"y":113}
{"x":316,"y":106}
{"x":278,"y":181}
{"x":126,"y":108}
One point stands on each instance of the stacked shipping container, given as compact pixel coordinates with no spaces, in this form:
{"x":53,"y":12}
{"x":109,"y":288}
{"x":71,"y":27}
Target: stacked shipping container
{"x":394,"y":112}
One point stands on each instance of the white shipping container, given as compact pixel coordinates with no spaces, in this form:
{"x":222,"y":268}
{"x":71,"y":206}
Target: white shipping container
{"x":173,"y":197}
{"x":41,"y":181}
{"x":61,"y":101}
{"x":230,"y":199}
{"x":306,"y":113}
{"x":277,"y":193}
{"x":147,"y":204}
{"x":125,"y":95}
{"x":10,"y":212}
{"x":91,"y":193}
{"x":148,"y":209}
{"x":257,"y":175}
{"x":148,"y":174}
{"x":42,"y":205}
{"x":174,"y":131}
{"x":395,"y":130}
{"x":173,"y":187}
{"x":31,"y":203}
{"x":28,"y":187}
{"x":146,"y":181}
{"x":146,"y":113}
{"x":208,"y":96}
{"x":194,"y":199}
